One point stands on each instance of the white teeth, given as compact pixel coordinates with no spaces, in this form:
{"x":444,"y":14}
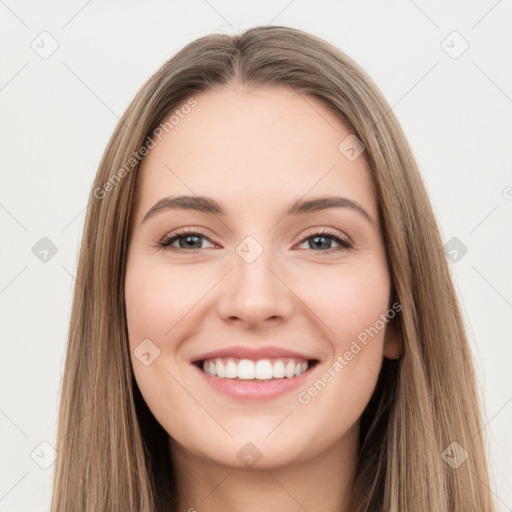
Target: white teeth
{"x":245,"y":370}
{"x":263,"y":369}
{"x":231,"y":370}
{"x":221,"y":370}
{"x":278,"y":370}
{"x":290,"y":369}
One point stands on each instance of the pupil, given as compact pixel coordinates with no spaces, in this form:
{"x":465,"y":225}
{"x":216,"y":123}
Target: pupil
{"x":192,"y":243}
{"x":321,"y":238}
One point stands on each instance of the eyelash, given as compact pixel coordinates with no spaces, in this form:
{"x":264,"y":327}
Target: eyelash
{"x":168,"y":240}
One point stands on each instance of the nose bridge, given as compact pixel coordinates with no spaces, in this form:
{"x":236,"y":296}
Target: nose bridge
{"x":252,"y":263}
{"x":255,"y":293}
{"x":250,"y":249}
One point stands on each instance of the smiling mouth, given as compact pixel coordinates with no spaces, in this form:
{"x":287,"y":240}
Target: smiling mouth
{"x":264,"y":370}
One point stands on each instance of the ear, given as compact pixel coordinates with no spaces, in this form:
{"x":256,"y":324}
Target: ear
{"x":393,"y":342}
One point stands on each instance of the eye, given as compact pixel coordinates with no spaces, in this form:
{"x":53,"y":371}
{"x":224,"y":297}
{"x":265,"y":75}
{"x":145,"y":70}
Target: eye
{"x":321,"y":239}
{"x":188,"y":240}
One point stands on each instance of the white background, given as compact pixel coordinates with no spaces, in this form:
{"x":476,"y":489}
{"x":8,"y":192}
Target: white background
{"x":58,"y":114}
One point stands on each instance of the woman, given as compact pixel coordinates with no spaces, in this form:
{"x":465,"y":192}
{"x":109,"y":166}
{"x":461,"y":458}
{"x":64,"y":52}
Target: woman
{"x":218,"y":360}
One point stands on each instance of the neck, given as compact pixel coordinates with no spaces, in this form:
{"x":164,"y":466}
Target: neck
{"x":323,"y":482}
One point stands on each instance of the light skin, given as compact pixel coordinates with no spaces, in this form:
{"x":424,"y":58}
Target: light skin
{"x":256,"y":152}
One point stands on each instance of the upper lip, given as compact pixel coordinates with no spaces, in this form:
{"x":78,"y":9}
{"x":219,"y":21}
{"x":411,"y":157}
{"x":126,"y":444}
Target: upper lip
{"x":252,"y":353}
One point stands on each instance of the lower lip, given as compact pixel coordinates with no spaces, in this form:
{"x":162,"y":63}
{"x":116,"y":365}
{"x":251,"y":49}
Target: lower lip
{"x":254,"y":390}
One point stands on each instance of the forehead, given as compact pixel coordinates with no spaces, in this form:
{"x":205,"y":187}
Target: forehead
{"x":266,"y":146}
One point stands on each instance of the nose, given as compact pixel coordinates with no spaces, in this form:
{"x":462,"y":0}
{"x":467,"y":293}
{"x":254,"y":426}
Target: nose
{"x":255,"y":293}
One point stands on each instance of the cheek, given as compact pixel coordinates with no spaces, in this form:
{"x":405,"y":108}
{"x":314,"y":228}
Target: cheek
{"x":348,"y":300}
{"x":157,"y":297}
{"x":352,"y":303}
{"x":156,"y":303}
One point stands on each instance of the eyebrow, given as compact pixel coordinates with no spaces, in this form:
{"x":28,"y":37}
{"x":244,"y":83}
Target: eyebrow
{"x":211,"y":206}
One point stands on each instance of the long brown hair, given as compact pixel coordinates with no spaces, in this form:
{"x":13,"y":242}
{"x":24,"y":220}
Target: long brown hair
{"x":112,"y":453}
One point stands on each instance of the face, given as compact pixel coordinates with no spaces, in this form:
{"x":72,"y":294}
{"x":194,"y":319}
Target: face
{"x":312,"y":283}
